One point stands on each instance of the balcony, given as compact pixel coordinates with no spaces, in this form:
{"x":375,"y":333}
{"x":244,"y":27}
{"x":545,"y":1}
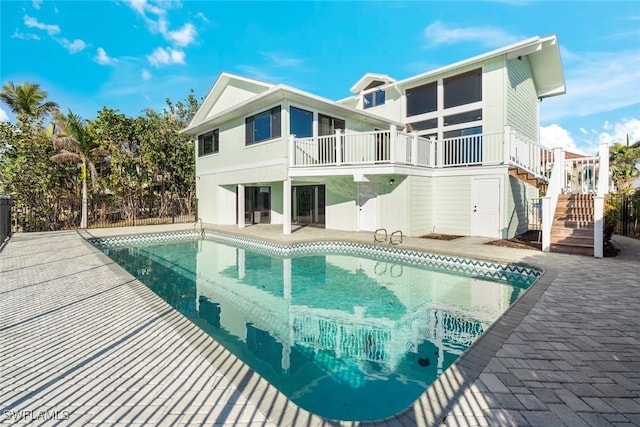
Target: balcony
{"x":392,"y":147}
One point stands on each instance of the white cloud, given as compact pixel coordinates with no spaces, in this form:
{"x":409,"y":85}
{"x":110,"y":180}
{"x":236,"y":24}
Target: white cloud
{"x":73,"y":46}
{"x":36,"y":4}
{"x":257,"y":73}
{"x":596,"y":82}
{"x":554,"y":136}
{"x":22,"y":36}
{"x":167,"y":56}
{"x":438,"y":34}
{"x":31,"y":22}
{"x":182,"y":37}
{"x":202,"y":17}
{"x":146,"y":75}
{"x":102,"y":57}
{"x":4,"y":117}
{"x":280,"y":60}
{"x":617,"y":132}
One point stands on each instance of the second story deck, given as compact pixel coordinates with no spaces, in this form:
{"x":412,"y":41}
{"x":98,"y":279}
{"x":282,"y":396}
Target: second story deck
{"x":335,"y":153}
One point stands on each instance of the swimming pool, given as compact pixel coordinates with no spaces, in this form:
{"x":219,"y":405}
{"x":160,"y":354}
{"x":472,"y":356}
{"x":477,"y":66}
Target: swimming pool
{"x":347,"y":331}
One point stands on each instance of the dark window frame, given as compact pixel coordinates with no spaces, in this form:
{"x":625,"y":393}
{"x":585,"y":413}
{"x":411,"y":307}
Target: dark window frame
{"x":463,"y":89}
{"x":372,"y":99}
{"x":275,"y":126}
{"x":427,"y":93}
{"x":215,"y":143}
{"x":291,"y":116}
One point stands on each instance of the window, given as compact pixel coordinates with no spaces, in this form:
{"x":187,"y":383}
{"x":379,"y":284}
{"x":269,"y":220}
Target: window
{"x":263,"y":126}
{"x":467,"y":116}
{"x":422,"y":99}
{"x":463,"y":89}
{"x":463,"y":132}
{"x":327,"y":125}
{"x":300,"y":122}
{"x":373,"y":99}
{"x":209,"y":142}
{"x":423,"y":125}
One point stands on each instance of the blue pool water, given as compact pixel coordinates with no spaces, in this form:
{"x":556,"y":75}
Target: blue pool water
{"x":345,"y":337}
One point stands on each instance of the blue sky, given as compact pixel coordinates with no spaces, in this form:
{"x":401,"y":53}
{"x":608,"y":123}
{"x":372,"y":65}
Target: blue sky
{"x":132,"y":54}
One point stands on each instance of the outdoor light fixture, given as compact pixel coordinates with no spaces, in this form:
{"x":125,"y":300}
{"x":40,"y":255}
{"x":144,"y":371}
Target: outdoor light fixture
{"x":392,"y":181}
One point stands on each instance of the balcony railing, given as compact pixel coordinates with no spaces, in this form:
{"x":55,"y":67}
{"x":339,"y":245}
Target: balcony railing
{"x":581,"y":175}
{"x":400,"y":148}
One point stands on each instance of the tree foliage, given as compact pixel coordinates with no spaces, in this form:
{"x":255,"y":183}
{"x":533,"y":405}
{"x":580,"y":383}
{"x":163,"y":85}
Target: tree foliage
{"x":126,"y":159}
{"x":623,"y":160}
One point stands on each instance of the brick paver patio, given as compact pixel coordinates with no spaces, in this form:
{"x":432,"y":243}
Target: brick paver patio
{"x":84,"y":343}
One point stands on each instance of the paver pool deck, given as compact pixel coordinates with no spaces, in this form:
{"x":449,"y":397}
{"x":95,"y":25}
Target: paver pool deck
{"x":82,"y":342}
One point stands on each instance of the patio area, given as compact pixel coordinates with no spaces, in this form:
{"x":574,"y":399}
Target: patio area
{"x":82,"y":342}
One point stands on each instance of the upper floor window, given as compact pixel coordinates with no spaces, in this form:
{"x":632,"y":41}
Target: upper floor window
{"x":422,"y":99}
{"x":467,"y":116}
{"x":263,"y":126}
{"x":300,"y":122}
{"x":463,"y":89}
{"x":373,"y":99}
{"x":327,"y":125}
{"x":209,"y":142}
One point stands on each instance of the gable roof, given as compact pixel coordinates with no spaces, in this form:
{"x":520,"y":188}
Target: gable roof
{"x":275,"y":94}
{"x":369,"y":78}
{"x":543,"y":54}
{"x":221,"y":83}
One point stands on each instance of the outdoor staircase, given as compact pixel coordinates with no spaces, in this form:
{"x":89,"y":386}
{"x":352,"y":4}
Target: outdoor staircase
{"x":572,"y":228}
{"x":526,"y":176}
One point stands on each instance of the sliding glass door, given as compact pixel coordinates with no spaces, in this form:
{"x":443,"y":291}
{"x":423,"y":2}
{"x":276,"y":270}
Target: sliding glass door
{"x":308,"y":205}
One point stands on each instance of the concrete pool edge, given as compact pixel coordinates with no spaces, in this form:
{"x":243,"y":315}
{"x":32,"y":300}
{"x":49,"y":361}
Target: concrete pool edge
{"x":434,"y":403}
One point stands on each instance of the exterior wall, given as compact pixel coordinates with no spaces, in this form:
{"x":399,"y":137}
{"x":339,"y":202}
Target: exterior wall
{"x":518,"y":202}
{"x":340,"y":209}
{"x":394,"y":203}
{"x":522,"y":102}
{"x":392,"y":108}
{"x":420,"y":201}
{"x":234,"y":93}
{"x":493,"y":96}
{"x":451,"y":205}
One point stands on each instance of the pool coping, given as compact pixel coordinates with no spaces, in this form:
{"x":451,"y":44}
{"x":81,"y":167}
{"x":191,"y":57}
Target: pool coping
{"x":429,"y":409}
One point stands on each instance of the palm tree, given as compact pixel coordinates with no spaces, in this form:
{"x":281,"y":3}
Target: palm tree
{"x":76,"y":144}
{"x":27,"y":101}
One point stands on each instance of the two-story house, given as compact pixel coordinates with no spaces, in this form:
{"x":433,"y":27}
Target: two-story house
{"x":453,"y":150}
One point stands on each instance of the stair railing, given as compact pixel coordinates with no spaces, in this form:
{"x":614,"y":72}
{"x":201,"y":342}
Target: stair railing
{"x":599,"y":199}
{"x":550,"y":200}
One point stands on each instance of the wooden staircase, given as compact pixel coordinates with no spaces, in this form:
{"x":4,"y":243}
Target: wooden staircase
{"x":572,"y":228}
{"x":528,"y":177}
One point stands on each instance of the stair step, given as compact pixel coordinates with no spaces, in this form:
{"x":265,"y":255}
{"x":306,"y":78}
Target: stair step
{"x":564,"y":231}
{"x":572,"y":249}
{"x":580,"y":225}
{"x":577,"y":196}
{"x":584,"y":210}
{"x":572,"y":240}
{"x":570,"y":217}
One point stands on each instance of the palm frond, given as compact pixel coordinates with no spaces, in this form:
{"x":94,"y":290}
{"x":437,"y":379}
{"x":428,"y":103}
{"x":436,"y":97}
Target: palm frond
{"x":65,"y":156}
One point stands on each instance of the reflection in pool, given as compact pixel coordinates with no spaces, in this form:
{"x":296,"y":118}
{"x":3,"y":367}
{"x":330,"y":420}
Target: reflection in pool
{"x":345,"y":337}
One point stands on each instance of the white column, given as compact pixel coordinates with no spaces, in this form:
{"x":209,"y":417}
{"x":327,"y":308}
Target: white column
{"x":547,"y":219}
{"x":414,"y":148}
{"x":286,"y":206}
{"x":603,"y":169}
{"x":338,"y":146}
{"x":506,"y":153}
{"x":240,"y":206}
{"x":432,"y":152}
{"x":392,"y":143}
{"x":292,"y":150}
{"x":598,"y":226}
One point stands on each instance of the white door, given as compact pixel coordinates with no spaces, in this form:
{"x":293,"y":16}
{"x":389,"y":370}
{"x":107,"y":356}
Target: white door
{"x":485,"y":207}
{"x":367,"y":206}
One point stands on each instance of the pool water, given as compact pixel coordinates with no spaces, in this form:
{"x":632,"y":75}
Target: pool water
{"x":345,"y":337}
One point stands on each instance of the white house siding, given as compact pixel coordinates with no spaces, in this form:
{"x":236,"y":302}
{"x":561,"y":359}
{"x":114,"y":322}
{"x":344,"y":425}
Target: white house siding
{"x":233,"y":94}
{"x":493,"y":95}
{"x":451,"y":205}
{"x":420,"y":205}
{"x":340,"y":211}
{"x":391,"y":109}
{"x":393,"y":202}
{"x":519,"y":200}
{"x":522,"y":101}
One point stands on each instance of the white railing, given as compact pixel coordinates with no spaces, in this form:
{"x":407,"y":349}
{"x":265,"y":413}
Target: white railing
{"x":394,"y":147}
{"x":529,"y":155}
{"x":550,"y":200}
{"x":581,"y":175}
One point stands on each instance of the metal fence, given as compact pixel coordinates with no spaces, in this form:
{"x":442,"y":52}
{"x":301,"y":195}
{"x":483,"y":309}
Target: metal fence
{"x":102,"y":211}
{"x":627,"y":211}
{"x":5,"y":218}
